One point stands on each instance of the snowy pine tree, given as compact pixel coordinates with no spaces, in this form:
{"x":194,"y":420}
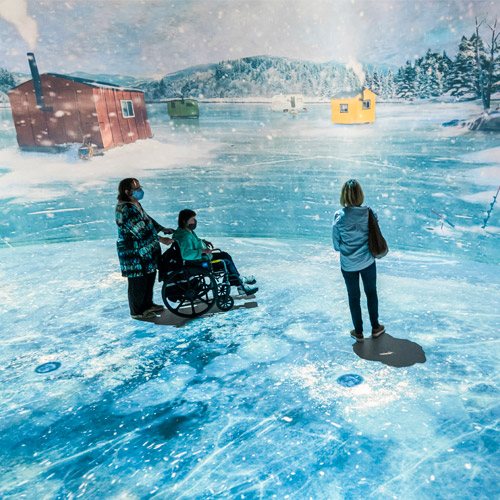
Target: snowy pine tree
{"x":463,"y":79}
{"x":495,"y":81}
{"x":405,"y":82}
{"x":368,"y":79}
{"x":389,"y":91}
{"x":376,"y":84}
{"x":445,"y":68}
{"x":7,"y":80}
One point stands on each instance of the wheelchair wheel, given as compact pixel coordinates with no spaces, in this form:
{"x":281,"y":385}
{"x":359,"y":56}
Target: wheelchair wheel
{"x":189,"y":292}
{"x":224,"y":300}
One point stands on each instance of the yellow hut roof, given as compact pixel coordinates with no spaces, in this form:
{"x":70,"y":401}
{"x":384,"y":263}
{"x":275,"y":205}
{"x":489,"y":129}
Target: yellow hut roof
{"x":351,"y":94}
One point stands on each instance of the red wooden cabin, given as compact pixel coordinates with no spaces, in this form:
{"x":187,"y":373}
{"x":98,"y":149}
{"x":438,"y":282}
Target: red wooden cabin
{"x":53,"y":110}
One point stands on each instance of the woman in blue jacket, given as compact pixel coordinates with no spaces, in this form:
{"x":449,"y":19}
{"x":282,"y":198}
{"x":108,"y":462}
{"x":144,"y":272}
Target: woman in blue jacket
{"x":350,"y":238}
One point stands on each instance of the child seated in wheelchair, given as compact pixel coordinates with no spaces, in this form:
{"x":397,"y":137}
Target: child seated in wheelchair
{"x":194,"y":248}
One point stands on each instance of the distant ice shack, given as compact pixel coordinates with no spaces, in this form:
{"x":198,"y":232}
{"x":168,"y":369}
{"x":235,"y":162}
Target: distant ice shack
{"x":53,"y":110}
{"x":289,"y":103}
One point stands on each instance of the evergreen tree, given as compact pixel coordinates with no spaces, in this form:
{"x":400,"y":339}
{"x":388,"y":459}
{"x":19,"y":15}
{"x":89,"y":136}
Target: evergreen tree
{"x":463,"y":79}
{"x":445,"y":68}
{"x":405,"y":82}
{"x":376,"y":84}
{"x":389,"y":86}
{"x":7,"y":80}
{"x":495,"y":80}
{"x":368,"y":79}
{"x":420,"y":80}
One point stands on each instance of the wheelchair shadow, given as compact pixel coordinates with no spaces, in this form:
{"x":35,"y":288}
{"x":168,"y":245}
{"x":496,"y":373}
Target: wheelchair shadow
{"x":390,"y":351}
{"x":170,"y":319}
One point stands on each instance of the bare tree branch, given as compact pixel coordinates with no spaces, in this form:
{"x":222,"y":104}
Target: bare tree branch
{"x":484,"y":99}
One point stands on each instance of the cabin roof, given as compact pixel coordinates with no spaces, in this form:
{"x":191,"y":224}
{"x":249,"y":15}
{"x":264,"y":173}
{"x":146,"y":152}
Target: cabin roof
{"x":94,"y":83}
{"x":180,"y":99}
{"x":348,"y":94}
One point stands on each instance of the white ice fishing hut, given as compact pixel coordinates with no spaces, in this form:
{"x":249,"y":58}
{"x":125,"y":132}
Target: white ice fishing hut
{"x":288,"y":103}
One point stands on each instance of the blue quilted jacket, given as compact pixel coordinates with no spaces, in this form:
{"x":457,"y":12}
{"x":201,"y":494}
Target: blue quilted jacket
{"x":350,"y":238}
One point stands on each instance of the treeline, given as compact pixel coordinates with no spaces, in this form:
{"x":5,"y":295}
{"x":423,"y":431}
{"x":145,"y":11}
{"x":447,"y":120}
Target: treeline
{"x":433,"y":75}
{"x":436,"y":75}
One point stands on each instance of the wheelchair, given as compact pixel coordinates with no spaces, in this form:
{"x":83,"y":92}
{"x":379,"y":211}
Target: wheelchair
{"x":192,"y":288}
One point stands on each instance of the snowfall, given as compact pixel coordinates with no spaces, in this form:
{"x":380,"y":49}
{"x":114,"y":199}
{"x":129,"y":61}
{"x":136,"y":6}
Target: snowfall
{"x":271,"y":399}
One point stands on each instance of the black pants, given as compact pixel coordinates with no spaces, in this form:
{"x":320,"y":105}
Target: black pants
{"x":140,"y":293}
{"x":369,"y":278}
{"x":234,"y":275}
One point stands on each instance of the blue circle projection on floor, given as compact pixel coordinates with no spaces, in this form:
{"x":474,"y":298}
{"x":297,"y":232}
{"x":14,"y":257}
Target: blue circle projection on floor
{"x":48,"y":367}
{"x":350,"y":380}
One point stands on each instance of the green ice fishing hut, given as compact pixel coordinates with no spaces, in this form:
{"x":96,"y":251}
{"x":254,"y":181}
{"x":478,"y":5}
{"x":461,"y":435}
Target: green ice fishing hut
{"x":183,"y":108}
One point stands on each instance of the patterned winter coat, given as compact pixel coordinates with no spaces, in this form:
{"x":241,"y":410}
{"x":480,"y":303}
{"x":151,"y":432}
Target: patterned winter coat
{"x":138,"y":244}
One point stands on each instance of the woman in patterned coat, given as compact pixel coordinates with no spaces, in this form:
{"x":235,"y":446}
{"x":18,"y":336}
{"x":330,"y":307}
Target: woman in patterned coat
{"x":138,"y":248}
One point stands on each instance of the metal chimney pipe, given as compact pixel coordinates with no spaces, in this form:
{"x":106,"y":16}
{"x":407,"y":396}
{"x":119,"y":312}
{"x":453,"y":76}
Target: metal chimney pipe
{"x":37,"y":83}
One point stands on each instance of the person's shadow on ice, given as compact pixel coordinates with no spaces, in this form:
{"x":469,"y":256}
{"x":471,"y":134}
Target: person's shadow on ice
{"x":390,"y":351}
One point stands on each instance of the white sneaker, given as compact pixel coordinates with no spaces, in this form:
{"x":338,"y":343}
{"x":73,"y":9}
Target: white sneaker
{"x":246,"y":289}
{"x":249,"y":280}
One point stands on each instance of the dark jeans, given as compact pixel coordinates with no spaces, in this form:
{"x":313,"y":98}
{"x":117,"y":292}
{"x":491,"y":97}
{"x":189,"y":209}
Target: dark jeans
{"x":140,"y":293}
{"x":234,"y":275}
{"x":369,"y":277}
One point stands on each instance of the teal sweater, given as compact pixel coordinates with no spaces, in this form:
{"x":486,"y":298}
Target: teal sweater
{"x":190,"y":245}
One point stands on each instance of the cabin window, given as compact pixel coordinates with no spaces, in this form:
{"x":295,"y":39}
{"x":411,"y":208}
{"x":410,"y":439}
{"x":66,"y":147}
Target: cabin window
{"x":367,"y":104}
{"x":127,"y":109}
{"x":189,"y":104}
{"x":344,"y":108}
{"x":172,"y":103}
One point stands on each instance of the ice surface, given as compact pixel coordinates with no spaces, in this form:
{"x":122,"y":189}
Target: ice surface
{"x":246,"y":404}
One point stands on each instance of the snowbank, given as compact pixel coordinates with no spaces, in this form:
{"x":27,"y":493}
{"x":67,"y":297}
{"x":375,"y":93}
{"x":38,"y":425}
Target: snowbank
{"x":483,"y":176}
{"x":42,"y":176}
{"x":491,"y":155}
{"x":482,"y":197}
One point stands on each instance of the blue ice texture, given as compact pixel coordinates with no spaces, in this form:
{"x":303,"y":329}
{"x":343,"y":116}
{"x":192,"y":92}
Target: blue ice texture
{"x":259,"y":402}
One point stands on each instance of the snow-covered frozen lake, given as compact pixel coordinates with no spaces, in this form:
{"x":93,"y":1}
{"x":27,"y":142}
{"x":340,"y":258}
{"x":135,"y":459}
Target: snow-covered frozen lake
{"x":250,"y":403}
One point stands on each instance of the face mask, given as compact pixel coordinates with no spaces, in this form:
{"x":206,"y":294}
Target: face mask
{"x":138,"y":195}
{"x":192,"y":226}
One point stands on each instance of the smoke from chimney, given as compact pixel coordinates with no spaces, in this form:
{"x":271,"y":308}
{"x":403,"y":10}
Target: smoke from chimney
{"x":16,"y":12}
{"x":357,"y":68}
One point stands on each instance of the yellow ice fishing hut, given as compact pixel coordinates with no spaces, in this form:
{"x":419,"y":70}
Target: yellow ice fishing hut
{"x":354,"y":107}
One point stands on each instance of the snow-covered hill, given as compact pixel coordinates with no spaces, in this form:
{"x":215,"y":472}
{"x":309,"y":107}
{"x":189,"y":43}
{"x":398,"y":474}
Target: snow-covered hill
{"x":259,"y":76}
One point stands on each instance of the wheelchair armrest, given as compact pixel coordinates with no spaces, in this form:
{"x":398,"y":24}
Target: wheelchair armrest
{"x":205,"y":264}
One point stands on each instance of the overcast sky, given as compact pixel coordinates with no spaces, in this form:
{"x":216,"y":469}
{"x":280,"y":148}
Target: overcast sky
{"x":156,"y":37}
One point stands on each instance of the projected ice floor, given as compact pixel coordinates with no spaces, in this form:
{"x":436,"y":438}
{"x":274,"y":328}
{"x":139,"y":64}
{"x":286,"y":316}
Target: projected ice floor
{"x":270,"y":399}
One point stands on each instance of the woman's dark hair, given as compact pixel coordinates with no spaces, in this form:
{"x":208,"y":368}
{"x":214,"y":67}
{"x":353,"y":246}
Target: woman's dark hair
{"x":184,"y":216}
{"x":352,"y":194}
{"x":126,"y":185}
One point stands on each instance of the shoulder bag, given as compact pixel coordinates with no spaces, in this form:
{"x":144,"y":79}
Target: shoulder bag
{"x":376,"y":242}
